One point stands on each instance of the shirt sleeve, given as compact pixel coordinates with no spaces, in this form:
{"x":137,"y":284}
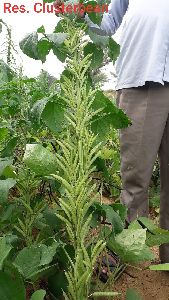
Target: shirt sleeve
{"x":111,"y":21}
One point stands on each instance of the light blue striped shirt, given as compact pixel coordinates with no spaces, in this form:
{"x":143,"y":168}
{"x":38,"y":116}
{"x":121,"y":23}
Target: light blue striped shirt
{"x":144,"y":42}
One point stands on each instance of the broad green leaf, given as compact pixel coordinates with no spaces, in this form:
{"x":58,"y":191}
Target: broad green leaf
{"x":38,"y":295}
{"x":28,"y":261}
{"x":98,"y":40}
{"x":155,"y":236}
{"x":58,"y":283}
{"x":33,"y":261}
{"x":114,"y":49}
{"x":121,"y":210}
{"x":4,"y":250}
{"x":9,"y":147}
{"x":37,"y":110}
{"x":39,"y":159}
{"x":134,"y":225}
{"x":43,"y":48}
{"x":110,"y":117}
{"x":132,"y":294}
{"x":71,"y":15}
{"x":101,"y":166}
{"x":147,"y":223}
{"x":53,"y":116}
{"x":160,"y":267}
{"x":60,"y":26}
{"x":5,"y":186}
{"x":11,"y":287}
{"x":57,"y":38}
{"x":97,"y":55}
{"x":4,"y":162}
{"x":43,"y":272}
{"x":9,"y":172}
{"x":130,"y":246}
{"x":107,"y":153}
{"x":97,"y":15}
{"x":8,"y":212}
{"x":41,"y":29}
{"x":6,"y":73}
{"x":157,"y":239}
{"x":47,"y":253}
{"x":29,"y":45}
{"x":113,"y":218}
{"x":3,"y":133}
{"x":60,"y":53}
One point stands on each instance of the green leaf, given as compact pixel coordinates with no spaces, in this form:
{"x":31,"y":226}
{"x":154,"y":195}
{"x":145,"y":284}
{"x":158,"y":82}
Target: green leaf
{"x":98,"y":40}
{"x":121,"y":210}
{"x":4,"y":250}
{"x":44,"y":272}
{"x":9,"y":147}
{"x":38,"y":295}
{"x":60,"y":53}
{"x":4,"y":162}
{"x":97,"y":55}
{"x":157,"y":238}
{"x":130,"y":246}
{"x":35,"y":49}
{"x":37,"y":110}
{"x":5,"y":186}
{"x":9,"y":172}
{"x":132,"y":294}
{"x":147,"y":223}
{"x":58,"y":283}
{"x":43,"y":48}
{"x":95,"y":16}
{"x":29,"y":45}
{"x":114,"y":49}
{"x":53,"y":116}
{"x":28,"y":261}
{"x":3,"y":133}
{"x":11,"y":287}
{"x":110,"y":117}
{"x":31,"y":261}
{"x":160,"y":267}
{"x":41,"y":29}
{"x":8,"y":212}
{"x":6,"y":73}
{"x":134,"y":225}
{"x":47,"y":253}
{"x":40,"y":160}
{"x":60,"y":26}
{"x":113,"y":218}
{"x":57,"y":38}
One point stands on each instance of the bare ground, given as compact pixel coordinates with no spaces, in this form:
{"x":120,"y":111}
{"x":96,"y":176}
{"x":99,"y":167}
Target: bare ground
{"x":150,"y":284}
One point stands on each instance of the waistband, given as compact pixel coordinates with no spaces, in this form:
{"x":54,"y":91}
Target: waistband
{"x":155,"y":84}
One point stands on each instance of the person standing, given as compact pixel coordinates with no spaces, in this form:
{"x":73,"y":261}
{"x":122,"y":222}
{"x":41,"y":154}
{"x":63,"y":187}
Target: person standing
{"x":143,"y":93}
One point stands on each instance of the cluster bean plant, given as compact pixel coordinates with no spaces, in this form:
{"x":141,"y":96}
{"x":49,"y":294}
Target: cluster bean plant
{"x":55,"y":136}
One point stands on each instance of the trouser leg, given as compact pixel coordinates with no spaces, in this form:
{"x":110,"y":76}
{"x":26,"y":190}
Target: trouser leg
{"x":148,"y":109}
{"x":164,"y":195}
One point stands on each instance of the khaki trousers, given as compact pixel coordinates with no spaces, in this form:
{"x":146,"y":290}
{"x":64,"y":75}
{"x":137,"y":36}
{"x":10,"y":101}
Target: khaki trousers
{"x":147,"y":137}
